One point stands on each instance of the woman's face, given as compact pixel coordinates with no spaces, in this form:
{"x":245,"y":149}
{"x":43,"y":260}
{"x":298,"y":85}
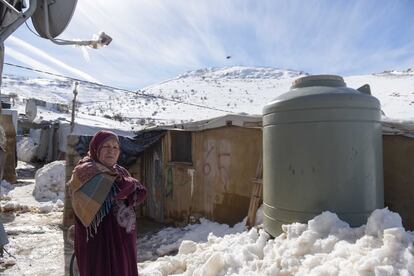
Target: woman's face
{"x":109,"y":152}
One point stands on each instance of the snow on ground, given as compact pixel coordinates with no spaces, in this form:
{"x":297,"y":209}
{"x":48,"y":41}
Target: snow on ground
{"x":36,"y":243}
{"x":43,"y":194}
{"x":395,"y":92}
{"x":35,"y":239}
{"x":168,"y":240}
{"x":324,"y":246}
{"x":26,"y":149}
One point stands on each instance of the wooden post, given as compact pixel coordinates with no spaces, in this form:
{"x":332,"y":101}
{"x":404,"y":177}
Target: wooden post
{"x":75,"y":93}
{"x":256,"y":196}
{"x":71,"y":159}
{"x":9,"y":172}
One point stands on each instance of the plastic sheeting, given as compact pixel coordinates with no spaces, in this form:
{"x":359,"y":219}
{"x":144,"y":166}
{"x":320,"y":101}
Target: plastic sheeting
{"x":131,"y":148}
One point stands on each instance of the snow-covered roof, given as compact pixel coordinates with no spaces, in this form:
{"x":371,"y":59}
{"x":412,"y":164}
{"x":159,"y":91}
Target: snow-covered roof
{"x":247,"y":121}
{"x":398,"y":127}
{"x":389,"y":126}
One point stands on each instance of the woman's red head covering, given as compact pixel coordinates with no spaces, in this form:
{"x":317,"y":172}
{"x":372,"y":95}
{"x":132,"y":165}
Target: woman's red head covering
{"x":97,"y":140}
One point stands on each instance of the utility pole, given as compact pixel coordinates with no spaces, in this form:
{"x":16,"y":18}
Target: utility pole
{"x":75,"y":93}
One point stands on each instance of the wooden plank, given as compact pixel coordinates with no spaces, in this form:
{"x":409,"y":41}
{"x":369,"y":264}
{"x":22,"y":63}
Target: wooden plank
{"x":256,"y":196}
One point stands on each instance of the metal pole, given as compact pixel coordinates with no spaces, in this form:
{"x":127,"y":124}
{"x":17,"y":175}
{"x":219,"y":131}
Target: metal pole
{"x":3,"y":236}
{"x":6,"y":32}
{"x":10,"y":6}
{"x":75,"y":93}
{"x":1,"y":75}
{"x":22,"y":17}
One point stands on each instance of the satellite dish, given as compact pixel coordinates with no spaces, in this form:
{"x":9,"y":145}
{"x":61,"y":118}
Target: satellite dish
{"x":59,"y":13}
{"x":31,"y":110}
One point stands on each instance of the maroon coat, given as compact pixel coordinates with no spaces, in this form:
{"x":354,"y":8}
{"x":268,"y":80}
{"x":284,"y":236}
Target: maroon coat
{"x":112,"y":249}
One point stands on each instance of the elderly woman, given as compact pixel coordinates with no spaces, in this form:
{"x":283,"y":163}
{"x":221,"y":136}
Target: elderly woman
{"x":103,"y":199}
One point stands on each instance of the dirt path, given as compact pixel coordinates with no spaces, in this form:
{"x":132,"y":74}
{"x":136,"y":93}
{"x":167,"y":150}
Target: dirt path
{"x":36,"y":242}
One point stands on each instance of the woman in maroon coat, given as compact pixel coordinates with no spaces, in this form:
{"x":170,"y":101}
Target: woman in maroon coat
{"x":103,"y":198}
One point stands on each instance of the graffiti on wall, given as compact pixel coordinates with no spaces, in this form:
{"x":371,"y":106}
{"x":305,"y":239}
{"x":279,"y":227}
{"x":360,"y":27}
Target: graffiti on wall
{"x":181,"y":180}
{"x":208,"y":158}
{"x":191,"y":174}
{"x":217,"y":161}
{"x":224,"y":168}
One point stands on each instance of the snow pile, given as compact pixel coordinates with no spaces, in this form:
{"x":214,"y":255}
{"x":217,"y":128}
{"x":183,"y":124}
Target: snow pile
{"x":22,"y":165}
{"x":15,"y":206}
{"x":44,"y":196}
{"x":5,"y":188}
{"x":259,"y":216}
{"x":20,"y":199}
{"x":26,"y":149}
{"x":50,"y":182}
{"x":47,"y":207}
{"x":324,"y":246}
{"x":36,"y":242}
{"x":168,"y":240}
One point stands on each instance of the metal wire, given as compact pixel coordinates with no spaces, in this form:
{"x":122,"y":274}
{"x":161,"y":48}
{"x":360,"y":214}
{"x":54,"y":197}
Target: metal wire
{"x":117,"y":88}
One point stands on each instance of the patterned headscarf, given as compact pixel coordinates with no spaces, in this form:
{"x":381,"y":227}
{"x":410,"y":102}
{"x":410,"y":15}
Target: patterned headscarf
{"x":97,"y":140}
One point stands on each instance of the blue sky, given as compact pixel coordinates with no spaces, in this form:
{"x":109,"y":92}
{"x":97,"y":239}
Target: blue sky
{"x":157,"y":40}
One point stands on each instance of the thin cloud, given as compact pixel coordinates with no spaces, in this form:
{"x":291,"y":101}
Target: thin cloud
{"x":154,"y":40}
{"x":12,"y":40}
{"x":25,"y":59}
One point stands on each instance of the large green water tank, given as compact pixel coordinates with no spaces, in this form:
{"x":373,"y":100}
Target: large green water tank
{"x":322,"y":151}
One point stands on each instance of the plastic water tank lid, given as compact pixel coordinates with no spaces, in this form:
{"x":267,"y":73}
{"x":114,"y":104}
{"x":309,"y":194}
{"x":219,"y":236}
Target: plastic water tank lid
{"x":319,"y":80}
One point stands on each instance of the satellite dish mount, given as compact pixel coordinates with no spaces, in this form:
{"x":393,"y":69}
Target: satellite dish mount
{"x":52,"y":17}
{"x":49,"y":17}
{"x":19,"y":18}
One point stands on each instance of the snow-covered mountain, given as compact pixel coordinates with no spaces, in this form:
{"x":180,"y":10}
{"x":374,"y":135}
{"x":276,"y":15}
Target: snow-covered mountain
{"x":195,"y":95}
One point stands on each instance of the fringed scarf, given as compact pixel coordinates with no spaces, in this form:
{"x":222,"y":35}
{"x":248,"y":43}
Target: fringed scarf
{"x":93,"y":188}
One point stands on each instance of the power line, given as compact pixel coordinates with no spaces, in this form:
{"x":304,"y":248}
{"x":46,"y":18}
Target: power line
{"x":115,"y":88}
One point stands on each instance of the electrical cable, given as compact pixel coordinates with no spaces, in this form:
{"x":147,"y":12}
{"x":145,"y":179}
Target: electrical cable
{"x":30,"y":29}
{"x":115,"y":88}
